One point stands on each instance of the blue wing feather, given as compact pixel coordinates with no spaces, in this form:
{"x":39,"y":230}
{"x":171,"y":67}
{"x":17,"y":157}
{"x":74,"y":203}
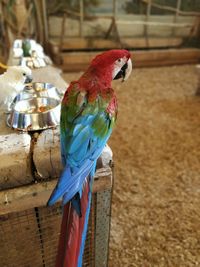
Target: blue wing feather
{"x":69,"y":186}
{"x":81,"y":152}
{"x":79,"y":139}
{"x":85,"y":119}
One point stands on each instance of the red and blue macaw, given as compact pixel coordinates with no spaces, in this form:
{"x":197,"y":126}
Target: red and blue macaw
{"x":88,"y":114}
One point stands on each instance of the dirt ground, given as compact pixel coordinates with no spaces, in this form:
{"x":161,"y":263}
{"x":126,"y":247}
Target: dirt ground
{"x":156,"y":146}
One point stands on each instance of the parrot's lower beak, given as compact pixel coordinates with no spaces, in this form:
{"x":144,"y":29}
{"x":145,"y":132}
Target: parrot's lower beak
{"x":125,"y":71}
{"x":28,"y":79}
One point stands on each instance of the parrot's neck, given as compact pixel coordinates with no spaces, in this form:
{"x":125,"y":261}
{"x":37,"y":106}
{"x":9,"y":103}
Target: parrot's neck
{"x":98,"y":83}
{"x":97,"y":79}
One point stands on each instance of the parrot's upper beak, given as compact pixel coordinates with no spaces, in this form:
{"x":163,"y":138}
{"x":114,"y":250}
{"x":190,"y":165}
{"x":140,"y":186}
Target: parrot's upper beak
{"x":125,"y":71}
{"x":28,"y":79}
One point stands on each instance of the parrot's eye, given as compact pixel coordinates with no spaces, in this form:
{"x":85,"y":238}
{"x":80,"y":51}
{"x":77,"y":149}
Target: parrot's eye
{"x":24,"y":74}
{"x":119,"y":60}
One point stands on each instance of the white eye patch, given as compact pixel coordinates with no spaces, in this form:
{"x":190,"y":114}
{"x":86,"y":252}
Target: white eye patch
{"x":119,"y":63}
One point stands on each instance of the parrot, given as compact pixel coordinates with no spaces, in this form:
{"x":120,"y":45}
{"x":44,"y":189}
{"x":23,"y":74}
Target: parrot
{"x":11,"y":83}
{"x":88,"y":115}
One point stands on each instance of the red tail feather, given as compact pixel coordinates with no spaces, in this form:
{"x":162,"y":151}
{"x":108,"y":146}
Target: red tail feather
{"x":71,"y":232}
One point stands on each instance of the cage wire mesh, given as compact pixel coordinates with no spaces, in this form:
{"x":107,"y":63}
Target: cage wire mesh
{"x":30,"y":238}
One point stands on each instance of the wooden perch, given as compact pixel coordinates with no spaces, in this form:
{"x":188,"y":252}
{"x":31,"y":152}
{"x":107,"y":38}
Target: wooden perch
{"x":36,"y":195}
{"x":39,"y":20}
{"x":24,"y":20}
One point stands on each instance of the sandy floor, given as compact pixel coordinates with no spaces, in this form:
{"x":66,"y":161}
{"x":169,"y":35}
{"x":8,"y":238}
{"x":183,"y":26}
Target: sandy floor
{"x":156,"y":145}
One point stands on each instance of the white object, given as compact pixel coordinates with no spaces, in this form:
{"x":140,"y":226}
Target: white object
{"x":11,"y":83}
{"x":37,"y":58}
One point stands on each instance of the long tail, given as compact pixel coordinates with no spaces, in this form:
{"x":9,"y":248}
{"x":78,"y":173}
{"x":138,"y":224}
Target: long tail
{"x":73,"y":231}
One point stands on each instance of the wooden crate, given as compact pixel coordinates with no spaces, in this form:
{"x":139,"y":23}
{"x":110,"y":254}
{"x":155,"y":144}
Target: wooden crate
{"x":29,"y":237}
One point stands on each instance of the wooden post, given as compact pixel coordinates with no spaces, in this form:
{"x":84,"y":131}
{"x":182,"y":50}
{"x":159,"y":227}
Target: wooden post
{"x":39,"y":21}
{"x":115,"y":9}
{"x":62,"y":34}
{"x":178,"y":5}
{"x":113,"y":25}
{"x":21,"y":16}
{"x":148,"y":13}
{"x":198,"y":85}
{"x":81,"y":18}
{"x":4,"y":45}
{"x":46,"y":31}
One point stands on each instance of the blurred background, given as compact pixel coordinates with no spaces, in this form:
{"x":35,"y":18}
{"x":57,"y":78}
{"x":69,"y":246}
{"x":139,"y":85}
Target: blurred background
{"x":156,"y":197}
{"x":80,"y":25}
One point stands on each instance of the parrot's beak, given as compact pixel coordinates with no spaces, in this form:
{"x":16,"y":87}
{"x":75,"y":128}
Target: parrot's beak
{"x":28,"y":79}
{"x":125,"y":71}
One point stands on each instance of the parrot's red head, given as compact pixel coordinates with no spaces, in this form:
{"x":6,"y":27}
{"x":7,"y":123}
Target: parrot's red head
{"x":113,"y":64}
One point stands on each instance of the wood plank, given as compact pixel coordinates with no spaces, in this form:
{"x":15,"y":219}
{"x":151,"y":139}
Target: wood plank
{"x":77,"y":61}
{"x":36,"y":195}
{"x":14,"y":152}
{"x":100,"y":43}
{"x":46,"y":154}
